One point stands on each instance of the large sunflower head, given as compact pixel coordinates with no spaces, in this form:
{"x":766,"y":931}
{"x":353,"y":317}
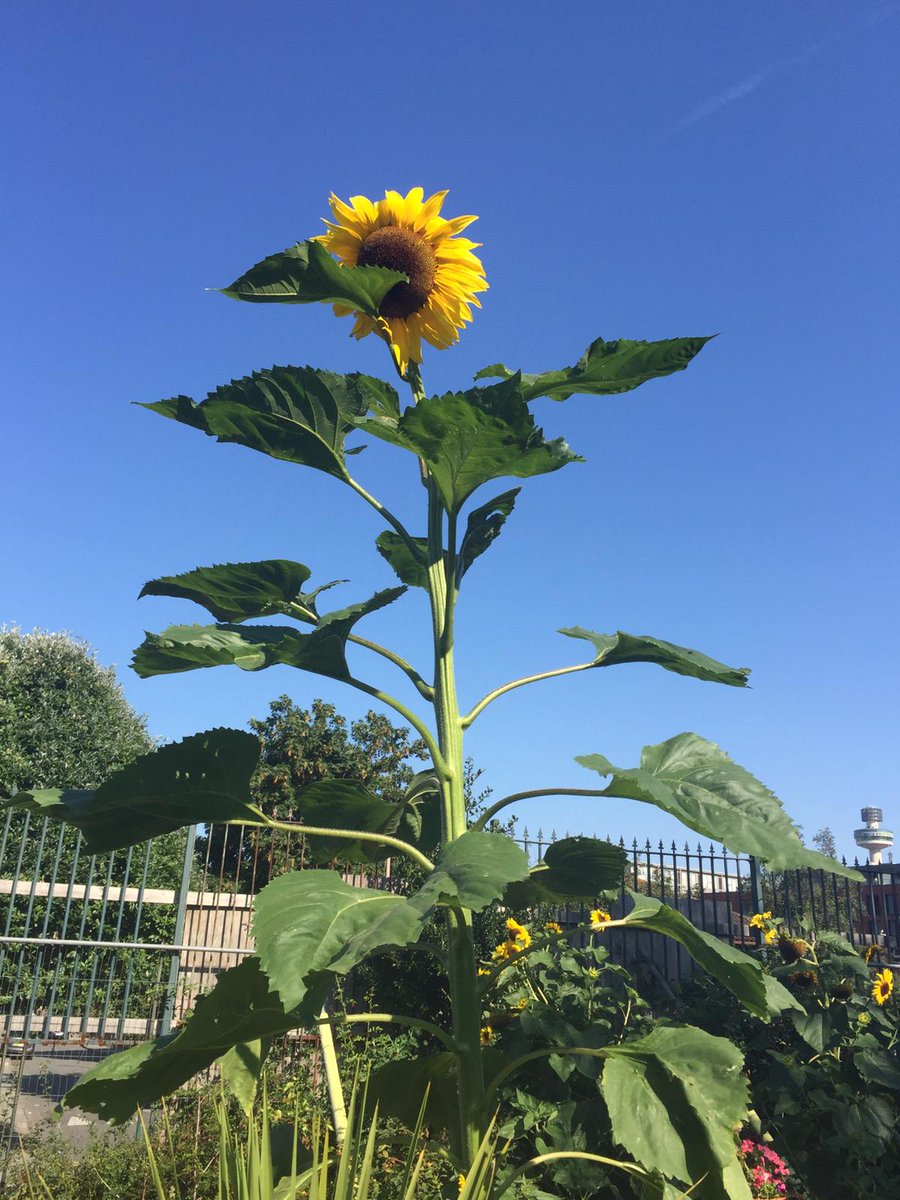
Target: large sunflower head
{"x":408,"y":234}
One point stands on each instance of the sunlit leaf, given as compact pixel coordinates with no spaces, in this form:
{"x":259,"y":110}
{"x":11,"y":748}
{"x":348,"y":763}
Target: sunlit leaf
{"x":237,"y":591}
{"x":241,"y":1068}
{"x":627,"y":648}
{"x":469,"y":438}
{"x":299,"y":414}
{"x":742,"y":975}
{"x":202,"y":779}
{"x":255,"y":647}
{"x":308,"y":922}
{"x":306,"y":273}
{"x":699,"y":784}
{"x":241,"y":1008}
{"x":675,"y":1098}
{"x":607,"y":368}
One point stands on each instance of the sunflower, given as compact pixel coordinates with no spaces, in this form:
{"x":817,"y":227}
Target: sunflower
{"x":883,"y":986}
{"x":408,"y":234}
{"x":599,"y":918}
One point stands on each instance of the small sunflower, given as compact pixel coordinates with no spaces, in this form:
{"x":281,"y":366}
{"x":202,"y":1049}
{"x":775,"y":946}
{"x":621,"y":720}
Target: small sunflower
{"x":599,"y":918}
{"x":759,"y":920}
{"x":487,"y":1035}
{"x":518,"y":934}
{"x":553,"y":927}
{"x":883,"y":986}
{"x":408,"y":234}
{"x":771,"y":937}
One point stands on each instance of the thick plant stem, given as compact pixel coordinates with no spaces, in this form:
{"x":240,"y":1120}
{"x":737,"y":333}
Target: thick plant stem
{"x":465,"y":1002}
{"x":332,"y":1078}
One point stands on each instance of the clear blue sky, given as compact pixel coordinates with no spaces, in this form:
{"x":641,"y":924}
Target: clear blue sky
{"x":640,"y":170}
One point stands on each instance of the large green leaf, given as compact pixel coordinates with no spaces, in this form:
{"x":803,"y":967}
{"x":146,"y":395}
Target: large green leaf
{"x":254,"y":647}
{"x":308,"y":922}
{"x":241,"y":1008}
{"x":204,"y":778}
{"x":299,"y":414}
{"x":306,"y":273}
{"x":575,"y":868}
{"x":237,"y":591}
{"x":468,"y":438}
{"x":675,"y":1099}
{"x":483,"y":526}
{"x":622,"y":647}
{"x":399,"y":1087}
{"x":607,"y":368}
{"x":742,"y":975}
{"x":698,"y":783}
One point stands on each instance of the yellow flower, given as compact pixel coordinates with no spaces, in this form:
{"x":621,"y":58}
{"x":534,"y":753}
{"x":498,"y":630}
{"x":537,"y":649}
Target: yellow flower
{"x":593,"y":973}
{"x":770,"y":937}
{"x":523,"y":1003}
{"x":758,"y":920}
{"x":553,"y":927}
{"x":870,"y":950}
{"x":518,"y":934}
{"x":408,"y":234}
{"x":484,"y":970}
{"x":599,"y":918}
{"x":460,"y":1182}
{"x":883,"y":986}
{"x":487,"y":1035}
{"x":503,"y":951}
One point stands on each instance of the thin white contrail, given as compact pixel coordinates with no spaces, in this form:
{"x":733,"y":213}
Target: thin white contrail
{"x":714,"y":104}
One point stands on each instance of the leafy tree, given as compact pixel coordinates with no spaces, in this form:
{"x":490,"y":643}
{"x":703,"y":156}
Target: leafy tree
{"x":299,"y":747}
{"x":824,"y":842}
{"x":63,"y":718}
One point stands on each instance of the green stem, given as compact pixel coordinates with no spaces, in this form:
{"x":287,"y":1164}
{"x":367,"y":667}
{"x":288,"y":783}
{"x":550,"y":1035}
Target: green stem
{"x":517,"y":796}
{"x":424,"y":689}
{"x":382,"y":839}
{"x":332,"y":1078}
{"x":386,"y":514}
{"x":545,"y":1052}
{"x":434,"y":749}
{"x":517,"y":683}
{"x":376,"y":1018}
{"x":464,"y":994}
{"x":557,"y":1155}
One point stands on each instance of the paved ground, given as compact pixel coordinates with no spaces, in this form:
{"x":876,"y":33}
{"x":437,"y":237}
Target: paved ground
{"x":47,"y":1073}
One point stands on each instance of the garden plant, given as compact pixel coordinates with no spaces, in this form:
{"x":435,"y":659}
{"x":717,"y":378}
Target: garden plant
{"x":672,"y":1098}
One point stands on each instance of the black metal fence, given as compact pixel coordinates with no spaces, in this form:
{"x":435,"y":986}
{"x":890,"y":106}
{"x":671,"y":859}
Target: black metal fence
{"x":97,"y":950}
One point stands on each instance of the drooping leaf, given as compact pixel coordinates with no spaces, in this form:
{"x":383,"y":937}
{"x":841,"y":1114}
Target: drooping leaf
{"x":607,"y":368}
{"x":312,"y":921}
{"x":255,"y":647}
{"x":299,"y":414}
{"x":241,"y":1067}
{"x":738,"y":972}
{"x":575,"y":868}
{"x":398,"y":1088}
{"x":241,"y":1008}
{"x":483,"y":526}
{"x":468,"y":438}
{"x":345,"y":804}
{"x":699,"y":784}
{"x":306,"y":273}
{"x":420,"y":821}
{"x":237,"y":591}
{"x":878,"y":1066}
{"x":627,"y":648}
{"x":411,"y":566}
{"x":202,"y":779}
{"x":675,"y":1098}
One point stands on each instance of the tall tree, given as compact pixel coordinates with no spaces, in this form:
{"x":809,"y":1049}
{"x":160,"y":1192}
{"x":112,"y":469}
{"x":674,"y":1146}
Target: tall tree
{"x":824,"y":841}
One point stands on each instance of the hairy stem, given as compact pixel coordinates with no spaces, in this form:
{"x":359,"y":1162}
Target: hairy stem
{"x":517,"y":683}
{"x":424,"y":689}
{"x":381,"y":839}
{"x":517,"y":796}
{"x":434,"y":748}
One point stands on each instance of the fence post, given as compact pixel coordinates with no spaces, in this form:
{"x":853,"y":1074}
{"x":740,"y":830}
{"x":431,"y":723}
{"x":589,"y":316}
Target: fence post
{"x":756,"y":891}
{"x":168,"y":1013}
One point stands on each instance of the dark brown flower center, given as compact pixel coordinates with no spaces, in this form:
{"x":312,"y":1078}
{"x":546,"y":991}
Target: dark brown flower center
{"x":406,"y":251}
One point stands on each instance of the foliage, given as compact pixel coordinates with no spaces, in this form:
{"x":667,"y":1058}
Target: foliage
{"x":825,"y":1080}
{"x":300,"y":747}
{"x":672,"y":1096}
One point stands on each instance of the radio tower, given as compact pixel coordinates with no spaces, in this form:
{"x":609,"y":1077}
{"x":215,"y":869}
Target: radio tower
{"x":873,"y":839}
